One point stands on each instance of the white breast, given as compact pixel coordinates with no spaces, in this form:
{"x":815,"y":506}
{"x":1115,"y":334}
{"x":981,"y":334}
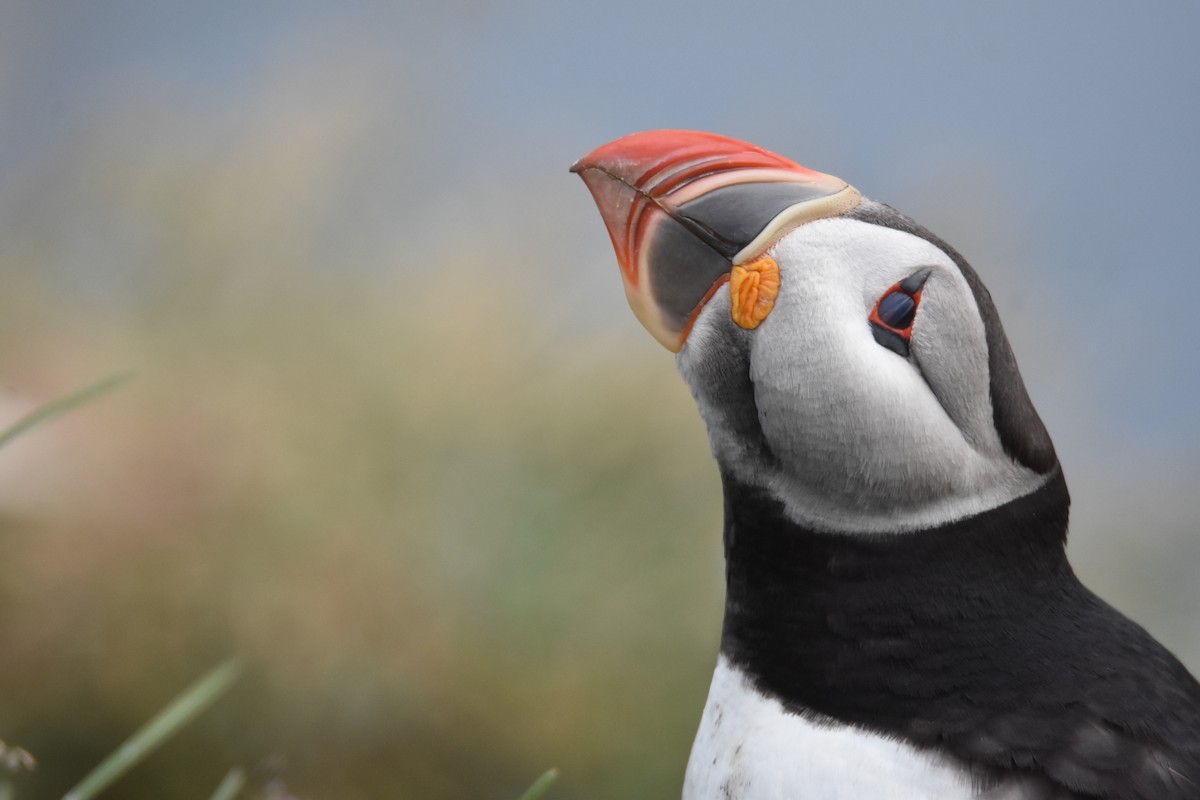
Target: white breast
{"x":750,"y":748}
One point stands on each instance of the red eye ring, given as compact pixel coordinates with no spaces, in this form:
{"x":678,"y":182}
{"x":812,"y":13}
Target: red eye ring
{"x":895,"y":311}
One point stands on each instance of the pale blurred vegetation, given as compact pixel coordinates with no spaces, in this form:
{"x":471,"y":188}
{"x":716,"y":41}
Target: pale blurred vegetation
{"x":387,"y":445}
{"x":457,"y":538}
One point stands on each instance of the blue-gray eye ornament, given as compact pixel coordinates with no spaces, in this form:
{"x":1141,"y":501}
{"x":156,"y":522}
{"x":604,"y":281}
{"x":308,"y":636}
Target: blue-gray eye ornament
{"x":892,"y":318}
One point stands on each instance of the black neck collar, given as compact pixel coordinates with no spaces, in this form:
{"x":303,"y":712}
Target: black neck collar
{"x":973,"y":639}
{"x":874,"y":629}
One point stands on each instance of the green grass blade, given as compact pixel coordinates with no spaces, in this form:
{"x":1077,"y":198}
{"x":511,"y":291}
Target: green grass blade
{"x":56,"y":408}
{"x":231,"y":786}
{"x":540,"y":785}
{"x":182,"y":710}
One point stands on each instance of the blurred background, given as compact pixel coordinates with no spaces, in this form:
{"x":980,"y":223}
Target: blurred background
{"x":395,"y":437}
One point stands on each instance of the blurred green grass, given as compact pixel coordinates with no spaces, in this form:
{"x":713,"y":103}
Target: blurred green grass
{"x":455,"y":538}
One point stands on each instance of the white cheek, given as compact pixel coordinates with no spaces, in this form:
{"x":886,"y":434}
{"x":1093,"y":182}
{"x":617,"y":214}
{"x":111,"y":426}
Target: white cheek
{"x":861,"y":440}
{"x":841,"y":412}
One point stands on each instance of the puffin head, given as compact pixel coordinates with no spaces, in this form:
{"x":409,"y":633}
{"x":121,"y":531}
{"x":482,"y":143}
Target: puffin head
{"x":844,"y":359}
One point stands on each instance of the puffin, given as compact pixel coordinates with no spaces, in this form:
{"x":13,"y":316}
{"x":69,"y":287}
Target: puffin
{"x":901,"y":620}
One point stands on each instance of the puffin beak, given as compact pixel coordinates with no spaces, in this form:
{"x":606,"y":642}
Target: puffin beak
{"x":683,"y":208}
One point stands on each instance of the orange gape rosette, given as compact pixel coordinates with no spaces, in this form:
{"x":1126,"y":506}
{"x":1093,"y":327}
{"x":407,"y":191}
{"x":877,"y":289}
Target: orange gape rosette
{"x":753,"y":287}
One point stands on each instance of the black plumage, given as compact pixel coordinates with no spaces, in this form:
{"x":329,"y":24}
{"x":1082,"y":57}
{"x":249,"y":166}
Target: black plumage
{"x":974,"y":638}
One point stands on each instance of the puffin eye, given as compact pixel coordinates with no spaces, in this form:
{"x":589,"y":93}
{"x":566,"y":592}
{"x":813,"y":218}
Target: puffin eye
{"x":897,"y":309}
{"x":892,"y":318}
